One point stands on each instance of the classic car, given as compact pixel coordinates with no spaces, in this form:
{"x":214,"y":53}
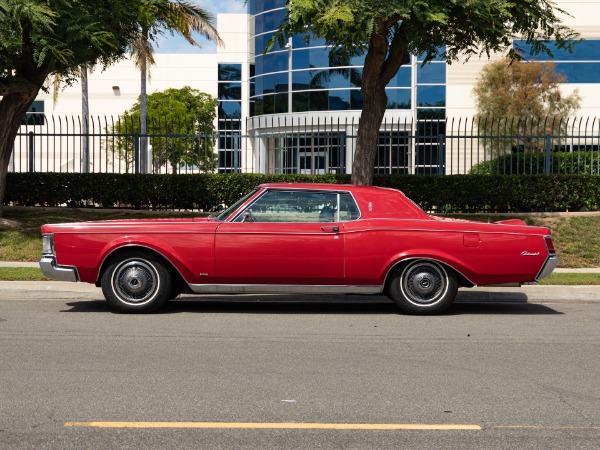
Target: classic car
{"x":299,"y":238}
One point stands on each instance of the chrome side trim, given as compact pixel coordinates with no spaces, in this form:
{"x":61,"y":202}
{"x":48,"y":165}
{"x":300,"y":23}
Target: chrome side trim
{"x":52,"y":270}
{"x":282,"y":289}
{"x":548,"y":267}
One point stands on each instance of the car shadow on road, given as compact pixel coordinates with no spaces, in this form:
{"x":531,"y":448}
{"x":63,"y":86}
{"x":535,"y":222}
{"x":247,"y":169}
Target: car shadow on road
{"x":317,"y":304}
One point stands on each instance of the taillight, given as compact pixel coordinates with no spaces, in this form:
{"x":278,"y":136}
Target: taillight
{"x":550,"y":245}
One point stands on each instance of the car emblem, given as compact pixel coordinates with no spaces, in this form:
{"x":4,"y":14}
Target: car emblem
{"x":526,"y":253}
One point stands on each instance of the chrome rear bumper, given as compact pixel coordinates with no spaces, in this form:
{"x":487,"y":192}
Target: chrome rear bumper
{"x":56,"y":272}
{"x":548,"y":267}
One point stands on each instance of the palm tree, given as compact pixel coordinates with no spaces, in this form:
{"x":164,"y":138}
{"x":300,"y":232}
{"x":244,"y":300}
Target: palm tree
{"x":180,"y":16}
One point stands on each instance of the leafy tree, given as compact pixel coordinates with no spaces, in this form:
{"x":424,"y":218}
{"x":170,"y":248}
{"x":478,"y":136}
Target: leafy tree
{"x":39,"y":38}
{"x":180,"y":126}
{"x":388,"y":32}
{"x":518,"y":104}
{"x":178,"y":16}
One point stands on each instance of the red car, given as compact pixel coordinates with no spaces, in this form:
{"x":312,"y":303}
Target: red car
{"x":299,"y":238}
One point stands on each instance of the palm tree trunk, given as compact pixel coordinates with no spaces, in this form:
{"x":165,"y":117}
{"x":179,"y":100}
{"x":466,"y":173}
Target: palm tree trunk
{"x":85,"y":117}
{"x":143,"y":116}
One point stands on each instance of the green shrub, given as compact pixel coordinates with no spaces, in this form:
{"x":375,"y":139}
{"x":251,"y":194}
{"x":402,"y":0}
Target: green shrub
{"x":441,"y":193}
{"x":534,"y":163}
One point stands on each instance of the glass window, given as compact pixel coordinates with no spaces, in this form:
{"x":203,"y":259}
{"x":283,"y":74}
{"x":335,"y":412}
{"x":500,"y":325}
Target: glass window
{"x":585,"y":50}
{"x":300,"y":102}
{"x":258,"y":85}
{"x":356,"y":101}
{"x":579,"y":72}
{"x":339,"y":78}
{"x":392,"y":153}
{"x":269,"y":21}
{"x":292,"y":206}
{"x":272,"y":62}
{"x":398,"y":98}
{"x":402,"y":78}
{"x":358,"y":60}
{"x":35,"y":114}
{"x":300,"y":59}
{"x":281,"y":103}
{"x":299,"y":41}
{"x":258,"y":6}
{"x":277,"y":82}
{"x":301,"y":80}
{"x":431,"y":73}
{"x":440,"y":52}
{"x":431,"y":96}
{"x":229,"y":125}
{"x":318,"y":57}
{"x":339,"y":100}
{"x":268,"y":104}
{"x":431,"y":130}
{"x":319,"y":100}
{"x":230,"y":91}
{"x":230,"y":110}
{"x":230,"y":72}
{"x":229,"y":141}
{"x":431,"y":113}
{"x":429,"y":154}
{"x":260,"y":43}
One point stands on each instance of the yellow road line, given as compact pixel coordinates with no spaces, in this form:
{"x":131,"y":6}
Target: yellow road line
{"x":278,"y":425}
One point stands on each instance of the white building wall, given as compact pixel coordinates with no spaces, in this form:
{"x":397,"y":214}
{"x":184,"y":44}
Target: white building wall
{"x":462,"y":76}
{"x":116,"y":89}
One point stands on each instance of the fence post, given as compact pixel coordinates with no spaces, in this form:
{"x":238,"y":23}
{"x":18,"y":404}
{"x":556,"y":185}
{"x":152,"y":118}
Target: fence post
{"x":31,"y":152}
{"x":547,"y":155}
{"x":136,"y":153}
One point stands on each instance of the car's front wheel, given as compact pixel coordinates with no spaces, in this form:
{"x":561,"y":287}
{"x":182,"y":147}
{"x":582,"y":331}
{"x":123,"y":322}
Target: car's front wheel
{"x":137,"y":283}
{"x":422,"y":287}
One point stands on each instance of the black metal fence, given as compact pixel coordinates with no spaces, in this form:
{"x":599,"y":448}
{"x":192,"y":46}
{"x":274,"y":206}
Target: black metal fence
{"x":284,"y":144}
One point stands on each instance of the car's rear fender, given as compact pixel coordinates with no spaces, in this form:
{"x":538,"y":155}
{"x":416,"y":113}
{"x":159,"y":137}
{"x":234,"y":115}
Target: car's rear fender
{"x":447,"y":262}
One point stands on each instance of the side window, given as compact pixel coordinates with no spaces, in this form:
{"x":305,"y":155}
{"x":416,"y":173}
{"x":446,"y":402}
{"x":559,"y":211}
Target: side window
{"x":292,"y":206}
{"x":348,"y":208}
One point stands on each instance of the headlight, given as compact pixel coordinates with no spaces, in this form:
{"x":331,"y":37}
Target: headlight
{"x":48,"y":244}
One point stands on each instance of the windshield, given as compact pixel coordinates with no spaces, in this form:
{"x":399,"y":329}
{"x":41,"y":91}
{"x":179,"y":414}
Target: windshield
{"x":229,"y":211}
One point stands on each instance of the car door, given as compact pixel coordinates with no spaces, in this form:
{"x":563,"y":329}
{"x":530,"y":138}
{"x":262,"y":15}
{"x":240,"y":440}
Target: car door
{"x":284,"y":237}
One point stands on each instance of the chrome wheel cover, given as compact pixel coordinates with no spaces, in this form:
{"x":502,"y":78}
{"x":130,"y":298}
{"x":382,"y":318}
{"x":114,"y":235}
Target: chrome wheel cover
{"x":424,"y":283}
{"x":135,"y":282}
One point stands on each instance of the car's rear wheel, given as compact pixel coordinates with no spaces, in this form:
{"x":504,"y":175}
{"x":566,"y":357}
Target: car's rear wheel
{"x":423,"y":287}
{"x":137,"y":283}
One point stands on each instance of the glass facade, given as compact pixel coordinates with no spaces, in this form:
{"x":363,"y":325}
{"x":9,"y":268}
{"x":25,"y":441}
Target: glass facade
{"x":229,"y":116}
{"x":582,"y":65}
{"x":303,"y":75}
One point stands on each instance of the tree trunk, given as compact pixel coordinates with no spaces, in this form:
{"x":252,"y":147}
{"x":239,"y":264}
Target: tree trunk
{"x":143,"y":163}
{"x":85,"y":117}
{"x":382,"y":61}
{"x":374,"y":105}
{"x":13,"y":107}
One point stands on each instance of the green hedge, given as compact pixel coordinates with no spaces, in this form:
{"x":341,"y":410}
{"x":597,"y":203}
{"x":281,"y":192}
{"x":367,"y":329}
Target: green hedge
{"x":452,"y":193}
{"x":561,"y":163}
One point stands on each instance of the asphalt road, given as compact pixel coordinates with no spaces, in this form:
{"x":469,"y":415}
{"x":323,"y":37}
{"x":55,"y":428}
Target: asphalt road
{"x":301,"y":373}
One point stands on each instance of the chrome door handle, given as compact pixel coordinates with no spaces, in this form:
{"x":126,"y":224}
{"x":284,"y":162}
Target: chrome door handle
{"x":334,"y":229}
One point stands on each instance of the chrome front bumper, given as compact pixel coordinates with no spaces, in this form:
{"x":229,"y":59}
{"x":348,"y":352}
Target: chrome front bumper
{"x":548,"y":267}
{"x":56,"y":272}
